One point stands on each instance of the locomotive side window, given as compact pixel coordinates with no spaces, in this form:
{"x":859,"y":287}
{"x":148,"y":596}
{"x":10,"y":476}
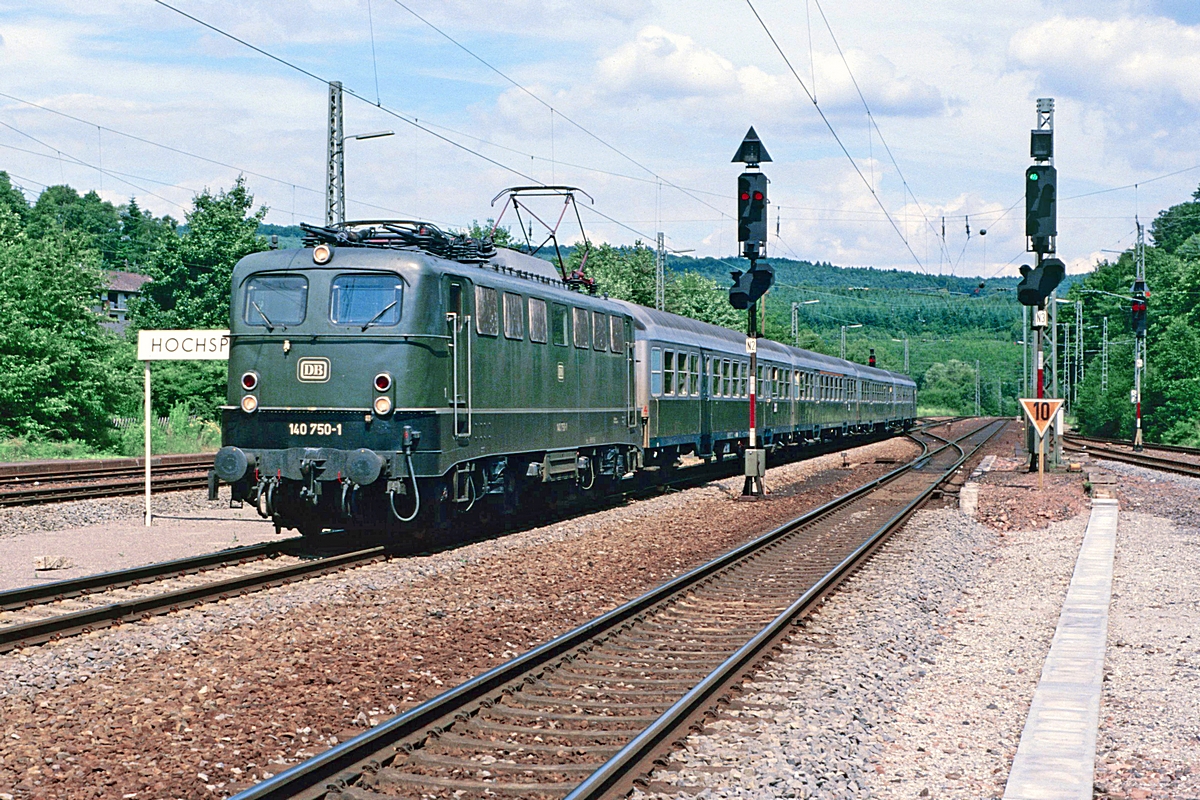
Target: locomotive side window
{"x":537,"y":320}
{"x":580,"y":323}
{"x":600,"y":332}
{"x":656,"y":371}
{"x":668,"y":372}
{"x":617,"y":334}
{"x":366,"y":300}
{"x":275,"y":300}
{"x":487,"y":311}
{"x":514,"y":316}
{"x":560,"y":325}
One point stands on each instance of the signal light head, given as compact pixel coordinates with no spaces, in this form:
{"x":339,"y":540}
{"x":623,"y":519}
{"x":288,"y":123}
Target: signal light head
{"x":383,"y":382}
{"x":250,"y":381}
{"x":1033,"y":176}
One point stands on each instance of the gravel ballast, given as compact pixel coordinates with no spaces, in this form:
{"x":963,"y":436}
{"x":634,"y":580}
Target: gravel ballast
{"x":911,"y":680}
{"x":210,"y":700}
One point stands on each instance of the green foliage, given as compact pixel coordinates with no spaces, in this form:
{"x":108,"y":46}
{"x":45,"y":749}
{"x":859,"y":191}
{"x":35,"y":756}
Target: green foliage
{"x":1171,"y":392}
{"x":61,"y":375}
{"x":692,"y":295}
{"x":192,"y":275}
{"x":192,"y":272}
{"x":1177,"y":224}
{"x":501,"y":237}
{"x":180,"y":434}
{"x":950,"y":385}
{"x":26,"y":449}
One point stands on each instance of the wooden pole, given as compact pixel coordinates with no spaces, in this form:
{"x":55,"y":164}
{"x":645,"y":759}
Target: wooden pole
{"x":1041,"y":458}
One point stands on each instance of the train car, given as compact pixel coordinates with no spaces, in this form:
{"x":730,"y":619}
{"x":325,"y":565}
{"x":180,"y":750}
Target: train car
{"x":391,"y":377}
{"x":693,"y":388}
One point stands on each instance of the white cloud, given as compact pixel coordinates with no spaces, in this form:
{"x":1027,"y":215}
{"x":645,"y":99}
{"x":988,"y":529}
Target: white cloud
{"x":1149,"y":56}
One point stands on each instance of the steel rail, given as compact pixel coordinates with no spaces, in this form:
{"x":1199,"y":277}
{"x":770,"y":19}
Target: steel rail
{"x":340,"y":766}
{"x":1140,"y":459}
{"x":40,"y":594}
{"x":44,"y":630}
{"x":1171,"y":448}
{"x":618,"y":773}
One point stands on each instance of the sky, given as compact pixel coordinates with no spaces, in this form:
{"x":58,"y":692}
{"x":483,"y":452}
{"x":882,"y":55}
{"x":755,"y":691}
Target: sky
{"x":639,"y":104}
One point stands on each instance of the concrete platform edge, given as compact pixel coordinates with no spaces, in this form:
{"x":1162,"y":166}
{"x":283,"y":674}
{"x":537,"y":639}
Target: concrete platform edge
{"x":1056,"y":756}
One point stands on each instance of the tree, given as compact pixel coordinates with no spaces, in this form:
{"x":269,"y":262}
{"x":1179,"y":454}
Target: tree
{"x":192,"y":273}
{"x":501,"y":237}
{"x":626,"y":273}
{"x":12,"y":200}
{"x":1174,"y":226}
{"x":61,"y":375}
{"x":192,"y":276}
{"x":693,"y":295}
{"x":949,"y":386}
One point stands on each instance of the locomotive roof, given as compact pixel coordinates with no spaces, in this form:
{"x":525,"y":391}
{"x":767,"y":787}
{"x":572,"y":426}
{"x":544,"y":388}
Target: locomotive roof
{"x":672,"y":327}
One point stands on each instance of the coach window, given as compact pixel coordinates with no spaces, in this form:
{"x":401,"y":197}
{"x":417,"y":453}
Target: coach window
{"x":514,"y":316}
{"x":275,"y":300}
{"x":599,"y":330}
{"x":744,"y":380}
{"x":726,"y":382}
{"x":537,"y":320}
{"x":617,"y":333}
{"x":668,"y":372}
{"x":580,"y":324}
{"x":487,"y":314}
{"x":694,"y":360}
{"x":712,"y":376}
{"x":655,"y":371}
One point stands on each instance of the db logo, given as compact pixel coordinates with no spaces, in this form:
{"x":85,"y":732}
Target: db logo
{"x":312,"y":370}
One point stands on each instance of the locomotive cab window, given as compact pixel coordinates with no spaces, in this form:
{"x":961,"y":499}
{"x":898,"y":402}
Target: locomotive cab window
{"x":272,"y":300}
{"x":514,"y":316}
{"x":487,"y":312}
{"x":367,"y":300}
{"x":580,"y":324}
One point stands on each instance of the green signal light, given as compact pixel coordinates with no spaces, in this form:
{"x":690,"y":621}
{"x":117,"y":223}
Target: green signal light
{"x":1033,"y":176}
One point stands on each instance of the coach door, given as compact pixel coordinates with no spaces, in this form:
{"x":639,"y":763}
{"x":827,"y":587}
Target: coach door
{"x":458,"y":326}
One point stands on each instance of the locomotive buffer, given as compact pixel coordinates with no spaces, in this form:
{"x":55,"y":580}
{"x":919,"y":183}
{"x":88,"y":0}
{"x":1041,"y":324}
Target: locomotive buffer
{"x":751,"y":285}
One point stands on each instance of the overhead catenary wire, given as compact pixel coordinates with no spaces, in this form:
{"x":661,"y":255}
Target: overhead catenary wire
{"x":391,"y":112}
{"x":832,"y":131}
{"x":554,"y":110}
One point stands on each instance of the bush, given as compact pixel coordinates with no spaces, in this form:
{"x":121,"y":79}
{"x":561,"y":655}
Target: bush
{"x":181,"y":434}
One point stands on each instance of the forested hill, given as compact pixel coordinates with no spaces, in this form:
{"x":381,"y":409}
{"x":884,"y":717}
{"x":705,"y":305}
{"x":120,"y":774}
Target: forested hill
{"x":826,"y":275}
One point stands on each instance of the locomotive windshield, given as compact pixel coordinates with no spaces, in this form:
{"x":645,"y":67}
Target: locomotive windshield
{"x":366,"y":300}
{"x":273,"y":300}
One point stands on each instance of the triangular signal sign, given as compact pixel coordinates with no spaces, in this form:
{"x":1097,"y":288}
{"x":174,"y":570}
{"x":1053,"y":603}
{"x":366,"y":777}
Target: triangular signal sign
{"x":1041,"y":411}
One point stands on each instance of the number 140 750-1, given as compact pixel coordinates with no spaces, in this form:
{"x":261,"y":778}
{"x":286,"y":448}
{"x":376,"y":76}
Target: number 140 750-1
{"x":314,"y":429}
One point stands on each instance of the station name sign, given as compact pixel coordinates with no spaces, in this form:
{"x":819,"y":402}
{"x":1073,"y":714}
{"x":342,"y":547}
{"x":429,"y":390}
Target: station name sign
{"x":183,"y":345}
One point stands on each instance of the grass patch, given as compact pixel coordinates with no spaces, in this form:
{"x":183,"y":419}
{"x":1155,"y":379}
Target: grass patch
{"x":179,"y":434}
{"x":23,"y":449}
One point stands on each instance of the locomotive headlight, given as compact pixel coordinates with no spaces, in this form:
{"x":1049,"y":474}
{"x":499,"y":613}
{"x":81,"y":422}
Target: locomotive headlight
{"x":383,"y":382}
{"x":250,"y":381}
{"x":322,"y":254}
{"x":249,"y":404}
{"x":383,"y":405}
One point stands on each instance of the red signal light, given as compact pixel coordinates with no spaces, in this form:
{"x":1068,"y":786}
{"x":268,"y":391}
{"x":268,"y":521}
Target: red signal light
{"x":758,"y":195}
{"x":745,"y":195}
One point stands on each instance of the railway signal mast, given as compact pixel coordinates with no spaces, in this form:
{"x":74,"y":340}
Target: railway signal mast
{"x":1140,"y":293}
{"x":749,"y":286}
{"x":1041,"y":232}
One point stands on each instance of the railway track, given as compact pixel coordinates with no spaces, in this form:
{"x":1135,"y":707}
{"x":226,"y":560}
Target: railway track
{"x":587,"y":714}
{"x":1167,"y":458}
{"x":38,"y":614}
{"x":34,"y":482}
